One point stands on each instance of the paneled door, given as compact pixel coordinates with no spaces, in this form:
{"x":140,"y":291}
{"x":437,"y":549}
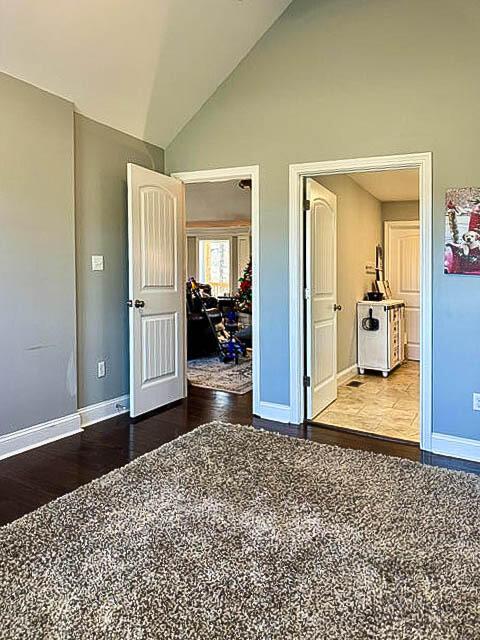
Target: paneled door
{"x":402,"y":248}
{"x":156,"y":252}
{"x":321,"y":297}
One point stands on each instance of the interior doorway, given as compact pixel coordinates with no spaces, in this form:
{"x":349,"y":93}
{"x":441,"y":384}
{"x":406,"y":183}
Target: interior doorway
{"x":222,"y":287}
{"x":362,"y":273}
{"x":221,"y":251}
{"x":365,"y":364}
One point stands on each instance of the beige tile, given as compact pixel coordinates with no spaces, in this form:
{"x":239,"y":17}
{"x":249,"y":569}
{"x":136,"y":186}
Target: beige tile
{"x":407,"y":405}
{"x":344,"y":392}
{"x":383,"y":406}
{"x":345,"y":420}
{"x":382,"y":401}
{"x":345,"y":406}
{"x":368,"y":388}
{"x":397,"y":385}
{"x":395,"y":394}
{"x":393,"y":424}
{"x":374,"y":412}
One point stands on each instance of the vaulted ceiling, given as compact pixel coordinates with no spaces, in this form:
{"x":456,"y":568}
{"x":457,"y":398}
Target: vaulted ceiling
{"x":144,"y":67}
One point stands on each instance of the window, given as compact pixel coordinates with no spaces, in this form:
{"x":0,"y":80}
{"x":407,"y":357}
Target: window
{"x":214,"y":265}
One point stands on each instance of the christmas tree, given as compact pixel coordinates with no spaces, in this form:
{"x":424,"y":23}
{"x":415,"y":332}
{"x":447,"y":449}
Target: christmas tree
{"x":244,"y":294}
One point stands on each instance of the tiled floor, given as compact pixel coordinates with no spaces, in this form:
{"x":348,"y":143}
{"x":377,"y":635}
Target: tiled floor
{"x":382,"y":406}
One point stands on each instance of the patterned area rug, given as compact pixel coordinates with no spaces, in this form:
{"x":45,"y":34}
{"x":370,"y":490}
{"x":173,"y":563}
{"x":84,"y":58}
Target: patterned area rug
{"x":213,"y":374}
{"x":230,"y":532}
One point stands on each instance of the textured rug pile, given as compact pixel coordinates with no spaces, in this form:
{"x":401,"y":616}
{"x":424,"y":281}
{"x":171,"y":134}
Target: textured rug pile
{"x":213,"y":374}
{"x":229,"y":532}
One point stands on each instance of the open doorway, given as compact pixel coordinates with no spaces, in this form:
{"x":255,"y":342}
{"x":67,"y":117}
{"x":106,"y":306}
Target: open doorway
{"x":362,"y":270}
{"x":221,"y":208}
{"x":385,"y":349}
{"x":158,"y":289}
{"x":219,"y":285}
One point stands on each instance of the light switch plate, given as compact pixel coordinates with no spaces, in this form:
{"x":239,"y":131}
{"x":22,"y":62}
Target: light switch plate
{"x":476,"y":401}
{"x":97,"y":263}
{"x":101,"y":369}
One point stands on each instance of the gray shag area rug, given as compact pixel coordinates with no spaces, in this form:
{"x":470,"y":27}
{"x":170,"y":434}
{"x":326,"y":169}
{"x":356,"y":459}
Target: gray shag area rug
{"x":229,"y":532}
{"x":213,"y":374}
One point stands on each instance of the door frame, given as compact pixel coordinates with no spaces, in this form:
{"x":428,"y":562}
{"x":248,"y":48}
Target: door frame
{"x":388,"y":227}
{"x":420,"y":161}
{"x":251,"y":172}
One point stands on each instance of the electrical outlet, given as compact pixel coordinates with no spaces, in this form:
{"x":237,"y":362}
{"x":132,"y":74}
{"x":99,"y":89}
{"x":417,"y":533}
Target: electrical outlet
{"x":101,"y":369}
{"x":97,"y":263}
{"x":476,"y":401}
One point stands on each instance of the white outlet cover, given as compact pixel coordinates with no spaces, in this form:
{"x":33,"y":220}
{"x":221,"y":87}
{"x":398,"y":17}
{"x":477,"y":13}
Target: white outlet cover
{"x":97,"y":263}
{"x":101,"y":369}
{"x":476,"y":401}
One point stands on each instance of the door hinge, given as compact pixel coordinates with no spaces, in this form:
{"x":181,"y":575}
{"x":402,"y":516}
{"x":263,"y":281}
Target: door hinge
{"x":306,"y":293}
{"x":306,"y":381}
{"x":306,"y":205}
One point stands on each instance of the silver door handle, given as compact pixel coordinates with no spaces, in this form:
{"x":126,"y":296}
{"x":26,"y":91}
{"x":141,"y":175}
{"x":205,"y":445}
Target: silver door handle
{"x":337,"y":307}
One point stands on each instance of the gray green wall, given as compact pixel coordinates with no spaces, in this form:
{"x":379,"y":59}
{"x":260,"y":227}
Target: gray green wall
{"x":101,"y":156}
{"x":37,"y":257}
{"x":62,"y":199}
{"x":400,"y":211}
{"x":344,"y":79}
{"x":359,"y":230}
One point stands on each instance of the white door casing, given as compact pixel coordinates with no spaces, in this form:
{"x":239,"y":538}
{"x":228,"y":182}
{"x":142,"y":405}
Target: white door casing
{"x":156,"y":248}
{"x":402,"y":249}
{"x":321,"y":294}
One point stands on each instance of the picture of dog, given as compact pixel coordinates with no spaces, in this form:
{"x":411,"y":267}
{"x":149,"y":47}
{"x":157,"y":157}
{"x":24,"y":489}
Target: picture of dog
{"x":471,"y":242}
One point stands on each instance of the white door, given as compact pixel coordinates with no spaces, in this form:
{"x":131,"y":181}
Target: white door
{"x":321,"y":297}
{"x":402,"y":248}
{"x":156,"y":250}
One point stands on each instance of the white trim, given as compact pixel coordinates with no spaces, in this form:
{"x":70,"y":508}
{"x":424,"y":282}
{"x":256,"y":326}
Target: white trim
{"x":38,"y":435}
{"x":104,"y":410}
{"x":347,"y":374}
{"x":239,"y":173}
{"x":217,"y":232}
{"x":455,"y":447}
{"x":422,"y":161}
{"x":274,"y":411}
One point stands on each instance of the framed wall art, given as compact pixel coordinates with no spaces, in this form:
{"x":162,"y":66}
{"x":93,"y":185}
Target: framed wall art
{"x":462,"y":231}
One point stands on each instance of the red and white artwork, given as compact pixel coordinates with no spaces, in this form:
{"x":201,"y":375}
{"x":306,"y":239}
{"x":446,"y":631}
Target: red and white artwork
{"x":462,"y":231}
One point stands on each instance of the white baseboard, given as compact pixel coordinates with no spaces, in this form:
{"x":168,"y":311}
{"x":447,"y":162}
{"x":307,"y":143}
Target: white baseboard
{"x":455,"y":447}
{"x":274,"y":411}
{"x":347,"y":374}
{"x":104,"y":410}
{"x":39,"y":434}
{"x":413,"y":352}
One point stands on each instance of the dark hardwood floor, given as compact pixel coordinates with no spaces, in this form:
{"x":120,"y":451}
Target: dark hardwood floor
{"x":36,"y":477}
